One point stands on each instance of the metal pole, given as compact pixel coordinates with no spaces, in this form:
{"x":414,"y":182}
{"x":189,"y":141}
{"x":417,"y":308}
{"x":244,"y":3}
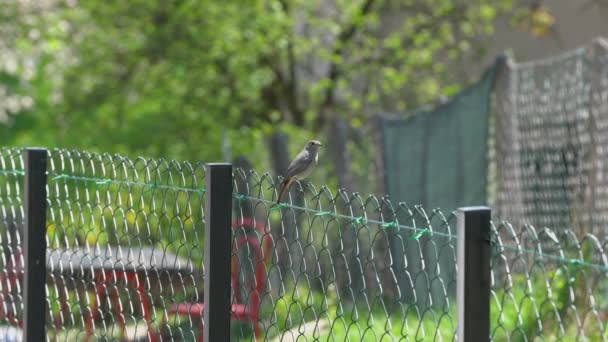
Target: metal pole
{"x":35,"y":245}
{"x":218,"y":243}
{"x":473,"y":282}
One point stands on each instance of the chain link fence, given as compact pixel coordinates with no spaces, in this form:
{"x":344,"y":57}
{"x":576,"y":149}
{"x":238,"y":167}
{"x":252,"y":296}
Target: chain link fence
{"x":123,"y":237}
{"x":338,"y":267}
{"x":548,"y":284}
{"x":125,"y":261}
{"x":551,"y":131}
{"x":11,"y":225}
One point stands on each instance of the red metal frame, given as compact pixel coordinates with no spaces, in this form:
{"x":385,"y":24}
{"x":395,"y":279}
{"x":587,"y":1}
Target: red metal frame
{"x":239,"y":311}
{"x":14,"y":271}
{"x":8,"y":282}
{"x":103,"y":280}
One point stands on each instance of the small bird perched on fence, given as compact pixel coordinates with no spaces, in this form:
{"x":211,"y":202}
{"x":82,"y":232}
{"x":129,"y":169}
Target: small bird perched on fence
{"x":301,"y":166}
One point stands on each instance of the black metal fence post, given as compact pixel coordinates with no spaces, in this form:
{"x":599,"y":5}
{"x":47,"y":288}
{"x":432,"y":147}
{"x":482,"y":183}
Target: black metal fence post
{"x":34,"y":292}
{"x":473,"y":283}
{"x":218,"y":244}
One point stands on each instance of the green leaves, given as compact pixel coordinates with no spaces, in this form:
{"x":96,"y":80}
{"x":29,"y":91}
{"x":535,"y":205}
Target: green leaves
{"x":163,"y":76}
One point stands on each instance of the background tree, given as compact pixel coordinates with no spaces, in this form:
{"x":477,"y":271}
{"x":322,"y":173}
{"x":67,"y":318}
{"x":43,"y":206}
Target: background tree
{"x":164,"y":77}
{"x":180,"y":79}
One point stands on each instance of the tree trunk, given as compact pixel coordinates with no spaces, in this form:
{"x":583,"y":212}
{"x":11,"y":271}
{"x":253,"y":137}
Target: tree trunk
{"x":338,"y":136}
{"x":286,"y":232}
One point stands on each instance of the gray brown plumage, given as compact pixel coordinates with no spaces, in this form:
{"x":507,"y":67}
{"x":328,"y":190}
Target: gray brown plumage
{"x":300,"y":167}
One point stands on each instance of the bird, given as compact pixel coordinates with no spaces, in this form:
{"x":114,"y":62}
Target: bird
{"x":301,"y":166}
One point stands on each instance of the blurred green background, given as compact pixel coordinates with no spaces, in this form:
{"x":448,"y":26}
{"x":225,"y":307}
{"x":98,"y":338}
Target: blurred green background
{"x":210,"y":80}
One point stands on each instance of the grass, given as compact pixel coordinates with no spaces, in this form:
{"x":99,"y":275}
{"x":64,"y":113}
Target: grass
{"x":303,"y":315}
{"x":554,"y":306}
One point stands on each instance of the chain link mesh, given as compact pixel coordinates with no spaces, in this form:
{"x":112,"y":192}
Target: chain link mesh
{"x":125,"y":261}
{"x":548,"y":284}
{"x":551,"y":137}
{"x":338,"y":267}
{"x":11,"y":237}
{"x":132,"y":235}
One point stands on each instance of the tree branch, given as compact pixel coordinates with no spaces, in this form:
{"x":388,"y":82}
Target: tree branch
{"x":291,"y":86}
{"x":334,"y":69}
{"x":408,"y":42}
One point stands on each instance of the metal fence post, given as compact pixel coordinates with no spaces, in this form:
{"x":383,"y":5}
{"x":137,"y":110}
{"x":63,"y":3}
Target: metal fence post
{"x":218,"y":244}
{"x":34,"y":292}
{"x":473,"y":283}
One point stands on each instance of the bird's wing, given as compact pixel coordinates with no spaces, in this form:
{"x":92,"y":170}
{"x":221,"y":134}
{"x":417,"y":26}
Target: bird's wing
{"x":299,"y":164}
{"x":284,"y":186}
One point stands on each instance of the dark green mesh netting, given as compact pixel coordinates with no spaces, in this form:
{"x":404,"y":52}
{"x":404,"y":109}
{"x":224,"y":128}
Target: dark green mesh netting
{"x":438,"y":158}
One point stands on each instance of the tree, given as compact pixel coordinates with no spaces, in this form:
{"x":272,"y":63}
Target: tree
{"x":164,"y":76}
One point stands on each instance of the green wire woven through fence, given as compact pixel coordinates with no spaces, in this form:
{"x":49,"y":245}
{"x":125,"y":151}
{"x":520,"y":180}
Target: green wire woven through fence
{"x":125,"y":257}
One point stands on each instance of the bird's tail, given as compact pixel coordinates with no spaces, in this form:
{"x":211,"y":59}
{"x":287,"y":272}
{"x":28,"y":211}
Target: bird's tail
{"x":284,"y":186}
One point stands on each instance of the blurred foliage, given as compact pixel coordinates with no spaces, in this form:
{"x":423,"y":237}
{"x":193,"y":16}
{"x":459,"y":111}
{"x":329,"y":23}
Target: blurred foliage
{"x":180,"y":78}
{"x":559,"y":297}
{"x":536,"y":19}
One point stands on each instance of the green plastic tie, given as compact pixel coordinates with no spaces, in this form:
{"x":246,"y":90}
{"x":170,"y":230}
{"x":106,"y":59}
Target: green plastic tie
{"x":19,"y":172}
{"x":201,"y":191}
{"x":240,"y":197}
{"x":419,"y":234}
{"x":324,"y":213}
{"x":103,"y":182}
{"x":575,"y":263}
{"x":152,"y":187}
{"x":389,"y":225}
{"x":58,"y":177}
{"x":357,"y":221}
{"x":279,"y":206}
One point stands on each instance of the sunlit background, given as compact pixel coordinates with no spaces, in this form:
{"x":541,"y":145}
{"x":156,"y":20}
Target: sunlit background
{"x":210,"y":80}
{"x":438,"y":103}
